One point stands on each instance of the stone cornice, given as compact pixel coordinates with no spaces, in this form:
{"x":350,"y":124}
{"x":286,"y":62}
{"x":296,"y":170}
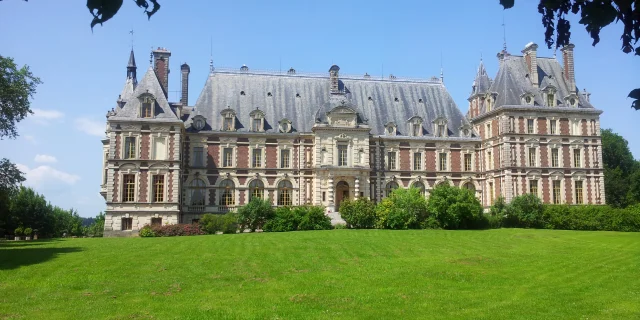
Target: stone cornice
{"x":537,"y":109}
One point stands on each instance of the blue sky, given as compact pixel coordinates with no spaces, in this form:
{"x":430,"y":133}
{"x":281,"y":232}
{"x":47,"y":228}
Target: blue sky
{"x":83,"y":71}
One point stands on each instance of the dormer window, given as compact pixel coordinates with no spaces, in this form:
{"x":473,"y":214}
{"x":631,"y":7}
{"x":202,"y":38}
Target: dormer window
{"x":440,"y":127}
{"x":198,"y":122}
{"x":146,"y":106}
{"x":571,"y":100}
{"x":549,"y":94}
{"x":551,"y":100}
{"x":257,"y":120}
{"x":415,"y":124}
{"x":228,"y":120}
{"x":527,"y":98}
{"x":390,"y":129}
{"x":285,"y":126}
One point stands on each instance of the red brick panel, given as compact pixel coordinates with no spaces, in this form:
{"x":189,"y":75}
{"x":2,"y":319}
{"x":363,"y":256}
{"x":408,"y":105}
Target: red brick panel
{"x":523,"y":156}
{"x":405,"y":160}
{"x":143,"y":181}
{"x":172,"y":141}
{"x":564,"y":126}
{"x":495,"y":128}
{"x":495,"y":151}
{"x":242,"y":180}
{"x":212,"y":197}
{"x":243,"y":156}
{"x":568,"y":190}
{"x":482,"y":130}
{"x":118,"y":138}
{"x":144,"y":146}
{"x":455,"y":161}
{"x":546,"y":192}
{"x":213,"y":155}
{"x":272,"y":156}
{"x":116,"y":185}
{"x":498,"y":189}
{"x":241,"y":199}
{"x":295,"y":157}
{"x":431,"y":160}
{"x":587,"y":195}
{"x":170,"y":186}
{"x":542,"y":126}
{"x":586,"y":156}
{"x":584,"y":127}
{"x":544,"y":161}
{"x":521,"y":125}
{"x":567,"y":157}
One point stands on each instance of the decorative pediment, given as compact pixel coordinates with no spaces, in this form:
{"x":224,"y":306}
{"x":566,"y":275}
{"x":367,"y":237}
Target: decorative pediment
{"x":440,"y":120}
{"x":571,"y":100}
{"x":466,"y":130}
{"x":390,"y":128}
{"x":228,"y":113}
{"x":533,"y":174}
{"x":576,"y":144}
{"x":342,"y":137}
{"x":532,"y":143}
{"x":527,"y":98}
{"x":415,"y":119}
{"x":199,"y":122}
{"x":554,"y":143}
{"x":284,"y":125}
{"x":257,"y":114}
{"x":556,"y":175}
{"x":342,"y":116}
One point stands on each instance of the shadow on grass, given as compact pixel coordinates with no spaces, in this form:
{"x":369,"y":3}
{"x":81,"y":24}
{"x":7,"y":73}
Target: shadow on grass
{"x":26,"y":254}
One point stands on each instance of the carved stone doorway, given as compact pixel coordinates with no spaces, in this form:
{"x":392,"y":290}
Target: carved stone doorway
{"x":342,"y":193}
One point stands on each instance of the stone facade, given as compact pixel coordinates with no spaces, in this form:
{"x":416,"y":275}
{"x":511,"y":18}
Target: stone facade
{"x":318,"y":139}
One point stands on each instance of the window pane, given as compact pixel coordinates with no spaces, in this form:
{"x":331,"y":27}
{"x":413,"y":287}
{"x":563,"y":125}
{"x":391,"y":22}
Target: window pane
{"x":391,"y":160}
{"x":227,"y":157}
{"x":129,"y":147}
{"x":529,"y":125}
{"x":554,"y":157}
{"x":467,"y":162}
{"x":417,"y":161}
{"x":556,"y":192}
{"x":342,"y":155}
{"x":256,"y":161}
{"x":158,"y":188}
{"x":579,"y":198}
{"x":443,"y":161}
{"x":532,"y":157}
{"x":576,"y":158}
{"x":197,"y":156}
{"x":128,"y":187}
{"x":284,"y":158}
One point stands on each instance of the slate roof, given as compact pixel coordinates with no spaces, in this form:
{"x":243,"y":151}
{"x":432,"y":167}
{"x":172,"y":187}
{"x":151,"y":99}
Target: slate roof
{"x":132,"y":60}
{"x":481,"y":83}
{"x":305,"y":99}
{"x":512,"y":81}
{"x":148,"y":84}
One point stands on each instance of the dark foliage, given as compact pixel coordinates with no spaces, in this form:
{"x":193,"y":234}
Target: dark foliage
{"x":171,"y":230}
{"x":359,"y":214}
{"x":524,"y":211}
{"x":456,"y":208}
{"x":403,"y":209}
{"x":254,"y":214}
{"x":225,"y":223}
{"x":298,"y":218}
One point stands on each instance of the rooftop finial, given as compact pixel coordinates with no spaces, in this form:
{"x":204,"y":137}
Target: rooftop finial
{"x":504,"y":34}
{"x":441,"y":68}
{"x":131,"y":33}
{"x":211,"y":68}
{"x":151,"y":56}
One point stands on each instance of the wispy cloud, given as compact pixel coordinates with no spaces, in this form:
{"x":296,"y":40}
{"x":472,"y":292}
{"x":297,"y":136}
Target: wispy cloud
{"x":31,"y":139}
{"x":46,"y":116}
{"x":45,"y":158}
{"x":91,"y":127}
{"x":44,"y":174}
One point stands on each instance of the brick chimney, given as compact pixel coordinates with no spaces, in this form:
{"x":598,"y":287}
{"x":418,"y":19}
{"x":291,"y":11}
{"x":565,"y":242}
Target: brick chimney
{"x":184,"y":97}
{"x":530,"y":53}
{"x":567,"y":60}
{"x":161,"y":67}
{"x":333,"y":76}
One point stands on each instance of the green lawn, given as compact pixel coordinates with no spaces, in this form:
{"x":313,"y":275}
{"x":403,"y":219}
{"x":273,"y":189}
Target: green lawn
{"x":337,"y":274}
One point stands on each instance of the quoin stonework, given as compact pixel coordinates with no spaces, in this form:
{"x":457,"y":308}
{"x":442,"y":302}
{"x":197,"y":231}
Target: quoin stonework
{"x":299,"y":138}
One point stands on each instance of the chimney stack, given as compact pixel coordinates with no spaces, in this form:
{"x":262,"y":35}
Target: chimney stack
{"x":185,"y":70}
{"x":530,"y":53}
{"x":161,"y":67}
{"x":567,"y":60}
{"x":333,"y":76}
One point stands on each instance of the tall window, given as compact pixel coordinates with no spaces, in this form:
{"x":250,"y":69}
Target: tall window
{"x":578,"y":188}
{"x":129,"y":187}
{"x":467,"y":162}
{"x":554,"y":157}
{"x":284,"y":193}
{"x":417,"y":129}
{"x":342,"y":155}
{"x":491,"y":193}
{"x":127,"y":224}
{"x":256,"y":158}
{"x":227,"y":157}
{"x":390,"y":187}
{"x":576,"y":158}
{"x":490,"y":160}
{"x":285,"y":158}
{"x":529,"y":125}
{"x":391,"y":160}
{"x":551,"y":100}
{"x":159,"y":149}
{"x":130,"y":147}
{"x":198,"y":156}
{"x":158,"y":188}
{"x":256,"y":123}
{"x":197,"y":192}
{"x":147,"y":108}
{"x":228,"y":124}
{"x":532,"y":157}
{"x":228,"y":190}
{"x":441,"y":130}
{"x":443,"y":161}
{"x":256,"y":189}
{"x":552,"y":126}
{"x":533,"y":187}
{"x":156,"y":221}
{"x":417,"y":161}
{"x":488,"y":135}
{"x":556,"y":192}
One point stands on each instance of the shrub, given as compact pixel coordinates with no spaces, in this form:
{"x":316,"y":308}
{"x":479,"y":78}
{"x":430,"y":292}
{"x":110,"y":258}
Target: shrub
{"x":313,"y":218}
{"x":360,"y":214}
{"x":524,"y":211}
{"x":340,"y":226}
{"x":254,"y":214}
{"x":285,"y":219}
{"x":171,"y":230}
{"x":226,"y":223}
{"x":18,"y":231}
{"x":403,"y":209}
{"x":456,"y":208}
{"x":147,"y":232}
{"x":28,"y":231}
{"x":591,"y":217}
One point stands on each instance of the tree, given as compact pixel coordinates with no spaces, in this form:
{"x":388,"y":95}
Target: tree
{"x":254,"y":214}
{"x":16,"y":87}
{"x":455,"y":208}
{"x":103,"y":10}
{"x":619,"y":170}
{"x":594,"y":15}
{"x":359,"y":214}
{"x":403,"y":209}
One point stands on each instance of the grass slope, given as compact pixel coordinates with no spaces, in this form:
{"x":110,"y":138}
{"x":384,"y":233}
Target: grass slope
{"x":337,"y":274}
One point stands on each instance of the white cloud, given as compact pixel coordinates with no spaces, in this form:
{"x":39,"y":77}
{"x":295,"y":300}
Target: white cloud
{"x":45,"y":158}
{"x":44,"y":174}
{"x":91,"y":127}
{"x":45,"y":116}
{"x":31,"y":139}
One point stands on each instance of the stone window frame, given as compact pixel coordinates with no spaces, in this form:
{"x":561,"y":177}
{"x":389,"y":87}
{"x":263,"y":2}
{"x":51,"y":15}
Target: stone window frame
{"x":147,"y":98}
{"x":574,"y":97}
{"x":532,"y":143}
{"x":557,"y":176}
{"x":129,"y":168}
{"x":220,"y":191}
{"x":462,"y":129}
{"x":252,"y":157}
{"x":192,"y":147}
{"x":577,"y":145}
{"x":285,"y":122}
{"x":394,"y":129}
{"x":414,"y":123}
{"x":396,"y":151}
{"x":575,"y":126}
{"x":550,"y":91}
{"x":292,"y":195}
{"x":534,"y":175}
{"x":424,"y":183}
{"x":535,"y":124}
{"x":228,"y":143}
{"x":579,"y":176}
{"x":443,"y":149}
{"x":468,"y":150}
{"x":189,"y":190}
{"x":440,"y":121}
{"x":152,"y":152}
{"x":284,"y":145}
{"x":343,"y":140}
{"x":138,"y":143}
{"x":549,"y":120}
{"x":524,"y":96}
{"x":156,"y":170}
{"x":251,"y":188}
{"x":555,"y":144}
{"x":228,"y":113}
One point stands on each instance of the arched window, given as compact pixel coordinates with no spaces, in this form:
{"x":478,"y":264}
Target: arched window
{"x":420,"y":186}
{"x":390,"y":187}
{"x":284,"y":193}
{"x":469,"y":186}
{"x":227,"y":189}
{"x":197,"y":192}
{"x":256,"y":189}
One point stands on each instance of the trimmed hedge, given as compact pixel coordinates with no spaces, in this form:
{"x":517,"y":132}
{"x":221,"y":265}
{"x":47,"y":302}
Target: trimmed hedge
{"x":171,"y":230}
{"x":297,"y":219}
{"x":225,"y":223}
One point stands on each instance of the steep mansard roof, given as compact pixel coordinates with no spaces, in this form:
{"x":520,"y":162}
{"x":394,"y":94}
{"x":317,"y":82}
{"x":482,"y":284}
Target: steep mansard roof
{"x":481,"y":83}
{"x":305,"y":99}
{"x":512,"y":81}
{"x":148,"y":85}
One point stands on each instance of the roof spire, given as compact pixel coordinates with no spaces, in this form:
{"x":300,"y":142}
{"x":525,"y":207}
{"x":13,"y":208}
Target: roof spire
{"x":504,"y":34}
{"x":131,"y":68}
{"x":441,"y":69}
{"x":211,"y":68}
